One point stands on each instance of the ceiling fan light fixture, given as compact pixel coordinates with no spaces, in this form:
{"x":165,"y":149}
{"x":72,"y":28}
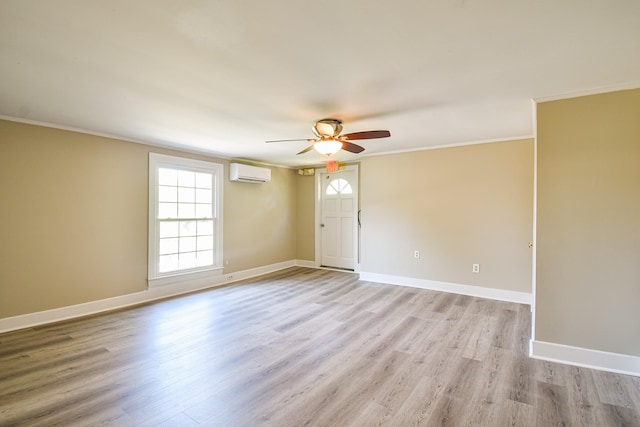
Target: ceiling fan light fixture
{"x":328,"y":146}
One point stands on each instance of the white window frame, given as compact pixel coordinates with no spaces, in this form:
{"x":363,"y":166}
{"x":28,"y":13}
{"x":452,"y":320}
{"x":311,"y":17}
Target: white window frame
{"x":157,"y":161}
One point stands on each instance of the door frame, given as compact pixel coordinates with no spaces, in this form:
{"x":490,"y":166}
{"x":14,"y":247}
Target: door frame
{"x":318,"y":216}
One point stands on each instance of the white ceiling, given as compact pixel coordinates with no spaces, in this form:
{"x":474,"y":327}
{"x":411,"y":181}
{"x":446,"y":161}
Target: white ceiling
{"x":224,"y":76}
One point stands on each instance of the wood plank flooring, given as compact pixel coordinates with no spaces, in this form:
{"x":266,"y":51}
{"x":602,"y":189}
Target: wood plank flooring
{"x":302,"y":347}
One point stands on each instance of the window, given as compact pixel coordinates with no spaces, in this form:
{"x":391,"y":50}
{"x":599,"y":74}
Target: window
{"x":338,"y":186}
{"x":185,"y":221}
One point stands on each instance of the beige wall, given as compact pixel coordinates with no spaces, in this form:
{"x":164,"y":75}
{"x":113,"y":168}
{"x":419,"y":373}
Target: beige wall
{"x":259,"y":221}
{"x":305,"y":232}
{"x":74,"y":218}
{"x":457,"y":206}
{"x":588,"y":222}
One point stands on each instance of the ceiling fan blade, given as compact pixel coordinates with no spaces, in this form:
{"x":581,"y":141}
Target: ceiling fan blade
{"x":309,"y":148}
{"x":351,"y":147}
{"x":370,"y":134}
{"x":290,"y":140}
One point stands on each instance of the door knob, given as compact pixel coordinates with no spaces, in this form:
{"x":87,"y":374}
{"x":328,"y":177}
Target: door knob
{"x":530,"y":244}
{"x":321,"y":225}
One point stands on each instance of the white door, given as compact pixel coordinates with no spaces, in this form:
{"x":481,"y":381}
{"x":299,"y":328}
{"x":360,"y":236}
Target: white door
{"x":338,"y":218}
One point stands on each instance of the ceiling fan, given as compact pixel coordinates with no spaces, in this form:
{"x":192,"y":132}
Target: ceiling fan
{"x":329,"y":141}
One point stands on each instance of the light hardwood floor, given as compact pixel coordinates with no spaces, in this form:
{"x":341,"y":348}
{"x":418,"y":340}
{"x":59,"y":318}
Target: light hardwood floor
{"x":302,"y":347}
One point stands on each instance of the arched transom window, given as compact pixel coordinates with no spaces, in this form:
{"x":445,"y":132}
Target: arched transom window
{"x":339,"y":186}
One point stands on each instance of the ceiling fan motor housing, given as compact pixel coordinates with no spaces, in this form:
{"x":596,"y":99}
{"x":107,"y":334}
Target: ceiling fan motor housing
{"x":327,"y":128}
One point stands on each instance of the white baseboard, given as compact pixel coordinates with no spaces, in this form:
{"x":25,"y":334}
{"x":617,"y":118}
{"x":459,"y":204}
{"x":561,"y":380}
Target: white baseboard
{"x":475,"y":291}
{"x":305,"y":263}
{"x":586,"y":358}
{"x":314,"y":264}
{"x":151,"y":294}
{"x":258,"y":271}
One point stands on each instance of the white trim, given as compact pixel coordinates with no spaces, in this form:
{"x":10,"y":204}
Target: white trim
{"x":454,"y":288}
{"x":254,"y":162}
{"x":316,"y":220}
{"x":453,"y":144}
{"x":180,"y":277}
{"x":305,"y":263}
{"x":312,"y":264}
{"x":165,"y":145}
{"x":149,"y":295}
{"x":534,"y":232}
{"x":588,"y":92}
{"x":258,"y":271}
{"x":586,"y":358}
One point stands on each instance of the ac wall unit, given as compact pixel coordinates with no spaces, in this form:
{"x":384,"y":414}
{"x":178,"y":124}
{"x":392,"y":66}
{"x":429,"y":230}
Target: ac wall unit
{"x":246,"y":173}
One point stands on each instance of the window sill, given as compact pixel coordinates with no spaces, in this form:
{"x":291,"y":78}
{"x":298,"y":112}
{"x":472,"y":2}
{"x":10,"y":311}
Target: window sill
{"x":183,"y":277}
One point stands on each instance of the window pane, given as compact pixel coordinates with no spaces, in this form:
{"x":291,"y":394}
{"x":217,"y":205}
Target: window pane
{"x":167,"y":176}
{"x":186,"y":210}
{"x":339,"y":186}
{"x":167,"y":194}
{"x":204,"y":258}
{"x":186,"y":195}
{"x":203,"y":196}
{"x":187,"y":260}
{"x":187,"y":244}
{"x":167,"y":210}
{"x":168,"y":229}
{"x":205,"y":227}
{"x":203,"y":180}
{"x":203,"y":211}
{"x":187,"y":228}
{"x":168,"y":246}
{"x":167,"y":263}
{"x":186,"y":179}
{"x":205,"y":243}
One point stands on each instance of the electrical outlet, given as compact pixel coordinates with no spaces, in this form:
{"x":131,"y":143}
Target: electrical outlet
{"x":416,"y":254}
{"x":230,"y":277}
{"x":475,"y":268}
